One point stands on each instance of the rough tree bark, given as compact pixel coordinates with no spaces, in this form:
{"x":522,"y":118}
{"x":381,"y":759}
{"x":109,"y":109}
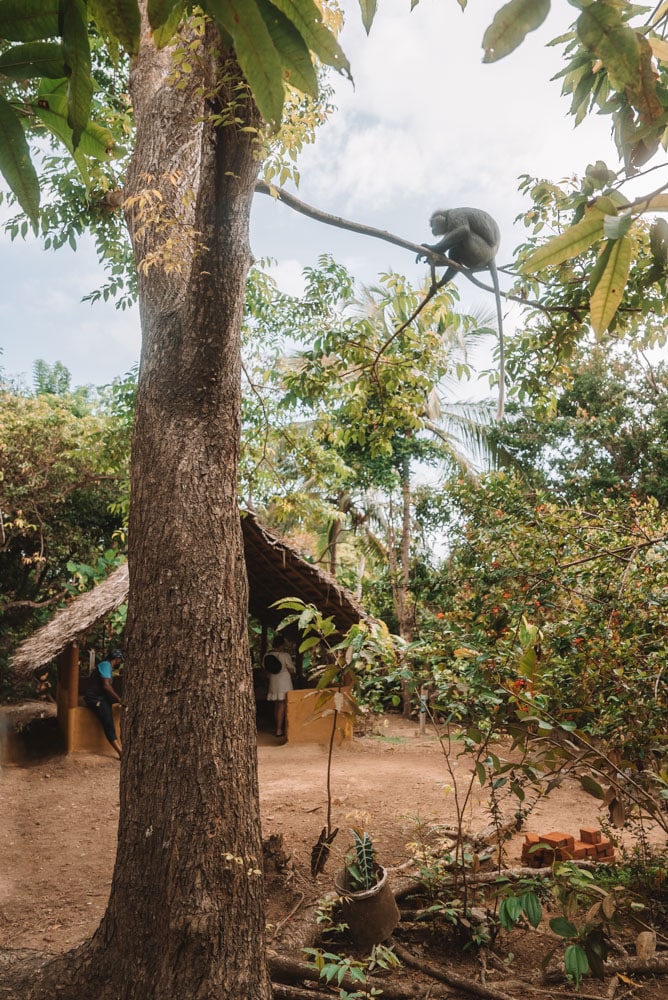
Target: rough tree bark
{"x":186,"y":913}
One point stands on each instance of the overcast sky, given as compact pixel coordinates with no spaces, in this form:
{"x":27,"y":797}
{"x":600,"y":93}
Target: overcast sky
{"x":427,"y":125}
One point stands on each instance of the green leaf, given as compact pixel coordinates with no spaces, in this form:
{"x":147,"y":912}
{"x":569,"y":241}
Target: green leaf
{"x":33,"y":59}
{"x":564,"y":928}
{"x":51,"y":107}
{"x":255,"y":52}
{"x":532,"y":908}
{"x":309,"y":643}
{"x":298,"y":68}
{"x":591,"y":786}
{"x":76,"y":50}
{"x":569,"y":244}
{"x":121,"y":18}
{"x":510,"y":911}
{"x":15,"y":163}
{"x":601,"y":30}
{"x":481,"y":773}
{"x":29,"y":20}
{"x":609,"y":291}
{"x":510,"y":26}
{"x":575,"y":962}
{"x":166,"y":22}
{"x":307,"y":19}
{"x":160,"y":11}
{"x":368,"y":10}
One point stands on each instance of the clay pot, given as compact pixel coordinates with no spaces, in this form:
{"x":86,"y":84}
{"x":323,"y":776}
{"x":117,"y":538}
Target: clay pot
{"x":371,"y":914}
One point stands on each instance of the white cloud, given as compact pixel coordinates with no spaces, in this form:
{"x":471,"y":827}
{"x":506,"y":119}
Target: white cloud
{"x":427,"y":125}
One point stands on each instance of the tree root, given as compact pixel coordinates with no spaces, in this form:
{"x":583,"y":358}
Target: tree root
{"x":447,"y":977}
{"x":414,"y":886}
{"x":290,"y":971}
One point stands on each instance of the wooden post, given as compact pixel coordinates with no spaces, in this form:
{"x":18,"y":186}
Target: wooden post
{"x":72,"y":672}
{"x":424,"y":696}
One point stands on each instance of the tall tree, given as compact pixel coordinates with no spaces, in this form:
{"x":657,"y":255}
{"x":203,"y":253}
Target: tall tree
{"x":186,"y":912}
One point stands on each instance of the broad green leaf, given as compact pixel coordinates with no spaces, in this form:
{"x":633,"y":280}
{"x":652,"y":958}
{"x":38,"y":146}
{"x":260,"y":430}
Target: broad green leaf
{"x":33,"y":59}
{"x":510,"y":26}
{"x":29,"y":20}
{"x":51,"y":107}
{"x":510,"y":911}
{"x":96,"y":141}
{"x":160,"y":11}
{"x":255,"y":52}
{"x":309,"y":643}
{"x":307,"y":19}
{"x":609,"y":290}
{"x":76,"y":50}
{"x":574,"y":241}
{"x":591,"y":786}
{"x":298,"y":68}
{"x":532,"y":908}
{"x":121,"y":19}
{"x":601,"y":30}
{"x":165,"y":30}
{"x":15,"y":163}
{"x":368,"y":9}
{"x":564,"y":928}
{"x":576,"y":963}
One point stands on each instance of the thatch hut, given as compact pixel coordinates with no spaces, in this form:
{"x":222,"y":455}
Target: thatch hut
{"x":275,"y":570}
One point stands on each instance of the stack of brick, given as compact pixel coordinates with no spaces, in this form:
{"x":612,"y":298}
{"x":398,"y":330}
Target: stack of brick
{"x":540,"y":850}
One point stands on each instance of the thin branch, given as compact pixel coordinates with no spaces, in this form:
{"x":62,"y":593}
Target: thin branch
{"x":417,"y":248}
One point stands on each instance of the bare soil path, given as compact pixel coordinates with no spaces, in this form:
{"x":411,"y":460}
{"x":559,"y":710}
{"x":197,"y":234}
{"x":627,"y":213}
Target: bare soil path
{"x":58,"y":818}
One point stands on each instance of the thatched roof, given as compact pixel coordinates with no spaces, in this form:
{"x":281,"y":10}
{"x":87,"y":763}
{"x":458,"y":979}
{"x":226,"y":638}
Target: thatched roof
{"x":275,"y":570}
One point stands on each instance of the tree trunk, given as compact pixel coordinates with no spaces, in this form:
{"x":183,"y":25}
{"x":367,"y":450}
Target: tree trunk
{"x":399,"y":564}
{"x":186,"y":912}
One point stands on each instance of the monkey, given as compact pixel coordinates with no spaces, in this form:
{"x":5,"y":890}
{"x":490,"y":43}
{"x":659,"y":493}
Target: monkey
{"x":469,"y":237}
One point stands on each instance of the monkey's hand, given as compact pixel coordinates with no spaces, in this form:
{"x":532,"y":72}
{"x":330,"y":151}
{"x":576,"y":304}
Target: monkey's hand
{"x":426,"y":255}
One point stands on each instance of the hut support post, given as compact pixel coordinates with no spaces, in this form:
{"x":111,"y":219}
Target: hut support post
{"x":67,"y":694}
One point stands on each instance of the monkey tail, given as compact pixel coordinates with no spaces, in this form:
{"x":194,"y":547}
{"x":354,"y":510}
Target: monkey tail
{"x":502,"y":361}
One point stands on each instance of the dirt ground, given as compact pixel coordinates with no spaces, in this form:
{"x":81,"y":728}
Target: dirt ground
{"x":58,"y":818}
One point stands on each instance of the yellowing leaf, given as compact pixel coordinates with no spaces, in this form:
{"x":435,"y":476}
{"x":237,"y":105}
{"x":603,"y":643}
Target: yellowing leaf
{"x":510,"y":26}
{"x":609,"y":290}
{"x":463,"y":653}
{"x":569,"y":244}
{"x":602,"y":31}
{"x":659,"y":47}
{"x":659,"y":203}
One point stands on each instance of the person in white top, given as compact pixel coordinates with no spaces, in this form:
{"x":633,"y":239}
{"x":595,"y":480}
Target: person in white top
{"x":280,"y":669}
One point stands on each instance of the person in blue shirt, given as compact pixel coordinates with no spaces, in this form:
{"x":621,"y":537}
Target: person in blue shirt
{"x":100,"y":696}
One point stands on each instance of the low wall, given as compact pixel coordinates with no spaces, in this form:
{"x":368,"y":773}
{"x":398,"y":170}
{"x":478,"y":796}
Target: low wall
{"x":306,"y":724}
{"x":83,"y":730}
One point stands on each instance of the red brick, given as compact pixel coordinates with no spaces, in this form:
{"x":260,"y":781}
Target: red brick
{"x":532,"y":838}
{"x":590,"y":834}
{"x":605,"y":847}
{"x":558,"y":839}
{"x":581,"y":850}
